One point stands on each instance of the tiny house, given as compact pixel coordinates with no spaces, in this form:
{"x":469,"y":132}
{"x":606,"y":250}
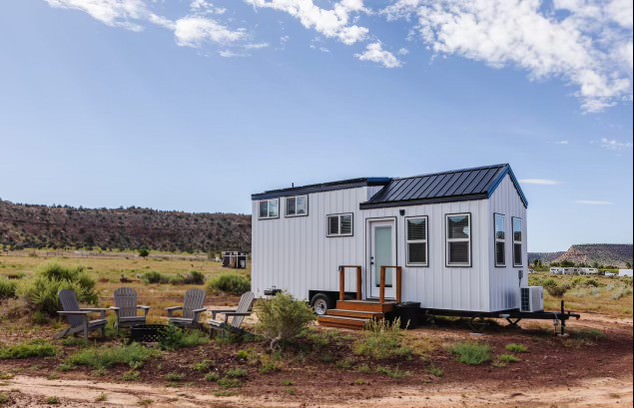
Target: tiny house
{"x":454,"y":240}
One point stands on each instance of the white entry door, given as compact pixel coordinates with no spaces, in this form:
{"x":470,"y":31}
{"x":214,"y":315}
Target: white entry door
{"x":381,"y":252}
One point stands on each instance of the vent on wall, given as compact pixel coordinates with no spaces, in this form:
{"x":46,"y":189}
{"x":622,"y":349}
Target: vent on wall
{"x":532,"y":299}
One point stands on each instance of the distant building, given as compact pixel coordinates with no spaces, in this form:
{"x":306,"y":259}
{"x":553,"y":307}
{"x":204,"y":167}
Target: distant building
{"x":588,"y":271}
{"x":625,"y":272}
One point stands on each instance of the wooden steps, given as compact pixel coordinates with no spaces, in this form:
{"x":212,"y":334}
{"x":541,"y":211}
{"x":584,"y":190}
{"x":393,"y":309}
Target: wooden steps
{"x":355,"y":314}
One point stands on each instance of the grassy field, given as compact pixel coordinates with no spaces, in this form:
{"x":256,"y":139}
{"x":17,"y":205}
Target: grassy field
{"x":598,"y":294}
{"x":110,"y":269}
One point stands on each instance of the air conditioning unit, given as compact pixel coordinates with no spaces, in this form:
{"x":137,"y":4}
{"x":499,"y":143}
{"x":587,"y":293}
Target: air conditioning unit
{"x":532,"y":299}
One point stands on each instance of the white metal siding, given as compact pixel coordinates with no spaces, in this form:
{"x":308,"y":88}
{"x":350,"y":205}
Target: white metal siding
{"x":294,"y":253}
{"x":438,"y":286}
{"x":505,"y":292}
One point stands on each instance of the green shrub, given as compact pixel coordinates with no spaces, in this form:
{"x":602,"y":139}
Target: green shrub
{"x":282,"y":318}
{"x":52,"y":401}
{"x":5,"y":399}
{"x":7,"y":288}
{"x":436,"y":371}
{"x":195,"y":278}
{"x":37,"y":348}
{"x":144,"y":252}
{"x":395,"y":373}
{"x":175,"y":377}
{"x":42,"y":293}
{"x":383,"y":340}
{"x":227,"y":382}
{"x":133,"y":355}
{"x":203,"y":366}
{"x":212,"y":377}
{"x":176,"y":338}
{"x":154,"y":277}
{"x":131,"y":375}
{"x":236,"y":373}
{"x":508,"y":358}
{"x":555,"y":289}
{"x":516,"y":348}
{"x":231,"y":283}
{"x":472,"y":353}
{"x":177,"y":280}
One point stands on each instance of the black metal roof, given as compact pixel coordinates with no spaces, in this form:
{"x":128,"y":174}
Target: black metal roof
{"x":318,"y":188}
{"x":456,"y":185}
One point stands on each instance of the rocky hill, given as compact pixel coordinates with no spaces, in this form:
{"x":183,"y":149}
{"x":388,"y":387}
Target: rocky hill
{"x":603,"y":254}
{"x":38,"y":226}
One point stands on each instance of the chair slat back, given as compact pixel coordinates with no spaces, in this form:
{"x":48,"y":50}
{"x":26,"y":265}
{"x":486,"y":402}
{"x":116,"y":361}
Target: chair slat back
{"x":246,"y":302}
{"x":68,"y":299}
{"x":194,"y":299}
{"x":126,"y":300}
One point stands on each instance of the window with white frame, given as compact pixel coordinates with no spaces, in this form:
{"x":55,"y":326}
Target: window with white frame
{"x":517,"y":241}
{"x":297,"y":206}
{"x":340,"y":225}
{"x":269,"y":209}
{"x":458,"y":235}
{"x":416,"y":238}
{"x":500,"y":236}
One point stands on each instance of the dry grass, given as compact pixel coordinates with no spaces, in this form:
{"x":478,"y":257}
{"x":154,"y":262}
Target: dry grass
{"x":613,"y":296}
{"x":108,"y":271}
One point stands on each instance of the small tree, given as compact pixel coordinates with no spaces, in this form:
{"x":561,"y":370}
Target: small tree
{"x":628,"y":265}
{"x":144,"y":252}
{"x":282,"y":318}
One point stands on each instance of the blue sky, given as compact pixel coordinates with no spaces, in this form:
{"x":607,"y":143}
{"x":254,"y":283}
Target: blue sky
{"x":194,"y":105}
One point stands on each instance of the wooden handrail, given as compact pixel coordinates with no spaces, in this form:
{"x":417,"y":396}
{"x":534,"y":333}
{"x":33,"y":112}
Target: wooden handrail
{"x":399,"y":283}
{"x":342,"y":280}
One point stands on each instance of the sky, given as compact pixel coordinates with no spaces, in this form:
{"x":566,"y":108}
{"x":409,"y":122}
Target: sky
{"x":194,"y":105}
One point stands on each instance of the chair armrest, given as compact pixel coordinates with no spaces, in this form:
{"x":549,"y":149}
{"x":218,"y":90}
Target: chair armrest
{"x":115,"y":308}
{"x":239,"y":314}
{"x":171,"y":310}
{"x":197,"y":313}
{"x":100,"y":310}
{"x":146,"y":309}
{"x":215,"y":312}
{"x":73,"y":312}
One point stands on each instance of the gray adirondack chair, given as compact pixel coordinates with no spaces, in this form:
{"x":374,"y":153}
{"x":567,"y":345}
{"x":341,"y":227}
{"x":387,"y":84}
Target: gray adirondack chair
{"x":78,"y":317}
{"x":192,"y":309}
{"x":125,"y":307}
{"x":237,"y":315}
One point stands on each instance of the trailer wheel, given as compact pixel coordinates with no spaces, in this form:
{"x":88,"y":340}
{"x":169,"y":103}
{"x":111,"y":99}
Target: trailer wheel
{"x":320,"y":303}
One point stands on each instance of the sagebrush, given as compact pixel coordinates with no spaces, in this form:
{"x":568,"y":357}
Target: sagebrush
{"x":231,"y":283}
{"x":282,"y":318}
{"x":383,"y":340}
{"x":42,"y":292}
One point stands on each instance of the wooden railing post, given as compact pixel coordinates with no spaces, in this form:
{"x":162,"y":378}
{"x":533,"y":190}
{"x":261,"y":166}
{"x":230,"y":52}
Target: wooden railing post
{"x":399,"y":281}
{"x":382,"y":286}
{"x":358,"y":283}
{"x":342,"y":283}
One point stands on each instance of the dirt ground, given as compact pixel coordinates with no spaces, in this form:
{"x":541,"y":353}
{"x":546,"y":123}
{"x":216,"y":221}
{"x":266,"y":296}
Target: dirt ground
{"x":575,"y":371}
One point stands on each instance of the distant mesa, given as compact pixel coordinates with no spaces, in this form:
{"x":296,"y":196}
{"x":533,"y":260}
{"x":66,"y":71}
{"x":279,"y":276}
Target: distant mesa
{"x":617,"y":255}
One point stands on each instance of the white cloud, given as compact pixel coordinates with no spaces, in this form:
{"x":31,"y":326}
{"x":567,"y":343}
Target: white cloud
{"x":374,"y":52}
{"x":585,"y":42}
{"x":615,"y":145}
{"x":332,"y":23}
{"x":540,"y":182}
{"x":594,"y":202}
{"x":562,"y":142}
{"x":115,"y":13}
{"x":403,"y":51}
{"x":196,"y":31}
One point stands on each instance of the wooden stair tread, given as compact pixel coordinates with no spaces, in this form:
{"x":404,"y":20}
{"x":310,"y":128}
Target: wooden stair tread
{"x":341,"y":321}
{"x":354,"y":313}
{"x":365,"y":306}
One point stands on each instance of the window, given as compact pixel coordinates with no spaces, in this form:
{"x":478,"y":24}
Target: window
{"x":458,"y":235}
{"x":296,"y":206}
{"x":269,"y":209}
{"x":340,"y":225}
{"x":517,"y":241}
{"x":499,"y":240}
{"x":416,"y":238}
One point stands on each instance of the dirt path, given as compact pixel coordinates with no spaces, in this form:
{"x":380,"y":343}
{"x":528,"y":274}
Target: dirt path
{"x":598,"y":392}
